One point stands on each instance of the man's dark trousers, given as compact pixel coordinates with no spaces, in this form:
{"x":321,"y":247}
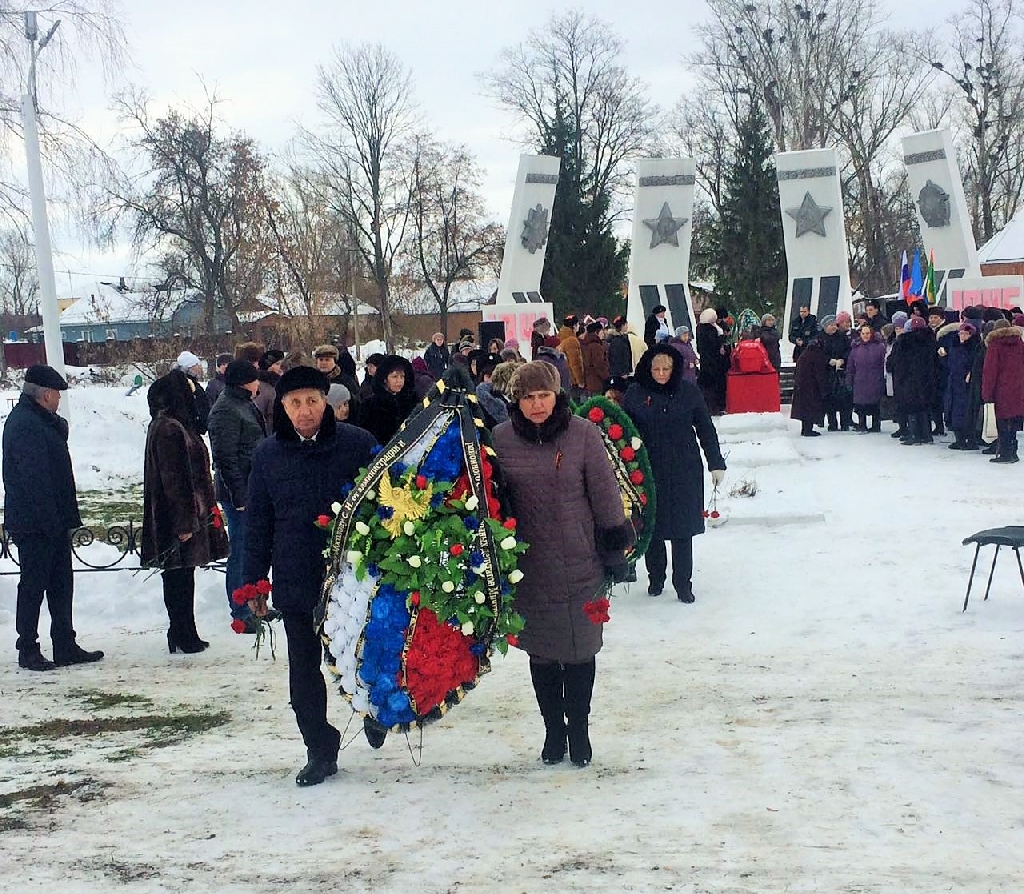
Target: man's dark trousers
{"x":307,"y":688}
{"x":45,"y":561}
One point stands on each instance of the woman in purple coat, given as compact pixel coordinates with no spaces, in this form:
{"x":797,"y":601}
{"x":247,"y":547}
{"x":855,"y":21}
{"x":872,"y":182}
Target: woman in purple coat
{"x":681,"y":342}
{"x":563,"y":492}
{"x":865,"y":374}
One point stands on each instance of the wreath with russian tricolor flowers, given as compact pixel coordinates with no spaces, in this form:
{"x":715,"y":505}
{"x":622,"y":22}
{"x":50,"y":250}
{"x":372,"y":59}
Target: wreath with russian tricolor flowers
{"x":422,"y":569}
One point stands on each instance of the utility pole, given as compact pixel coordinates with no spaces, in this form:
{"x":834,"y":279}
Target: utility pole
{"x":52,"y":339}
{"x":353,"y":254}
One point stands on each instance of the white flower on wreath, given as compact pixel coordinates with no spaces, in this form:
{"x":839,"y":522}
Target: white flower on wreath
{"x":467,"y":628}
{"x":409,"y":528}
{"x":414,"y":561}
{"x":480,"y":598}
{"x":636,"y":443}
{"x":508,"y":543}
{"x":472,"y":502}
{"x":362,"y":528}
{"x":335,"y":507}
{"x":448,"y":587}
{"x":515,"y":576}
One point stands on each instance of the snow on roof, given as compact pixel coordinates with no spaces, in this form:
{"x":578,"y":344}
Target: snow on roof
{"x":1007,"y":245}
{"x":108,"y":304}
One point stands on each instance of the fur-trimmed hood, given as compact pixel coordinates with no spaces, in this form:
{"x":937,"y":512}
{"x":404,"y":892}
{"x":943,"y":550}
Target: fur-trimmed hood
{"x":1003,"y":332}
{"x":948,"y":329}
{"x":643,"y":376}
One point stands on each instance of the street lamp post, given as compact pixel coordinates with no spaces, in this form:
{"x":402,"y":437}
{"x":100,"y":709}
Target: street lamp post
{"x":53,"y":342}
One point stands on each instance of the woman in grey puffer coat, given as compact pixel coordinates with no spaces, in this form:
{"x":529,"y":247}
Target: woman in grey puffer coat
{"x":568,"y":507}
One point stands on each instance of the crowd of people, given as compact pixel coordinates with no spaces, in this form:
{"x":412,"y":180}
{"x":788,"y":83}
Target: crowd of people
{"x":287,"y":434}
{"x":927,"y":373}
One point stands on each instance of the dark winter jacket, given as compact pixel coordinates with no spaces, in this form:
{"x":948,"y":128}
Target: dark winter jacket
{"x":214,"y":389}
{"x":913,"y":364}
{"x":236,"y":427}
{"x":714,"y":364}
{"x":963,"y":397}
{"x":39,"y":483}
{"x":945,"y":338}
{"x":177,"y":490}
{"x":437,"y":359}
{"x":620,"y":355}
{"x":769,"y":337}
{"x":651,"y":328}
{"x":567,"y":503}
{"x":201,"y":404}
{"x":689,"y":357}
{"x":1003,"y":377}
{"x":383,"y":412}
{"x":292,"y":483}
{"x":865,"y":370}
{"x":595,"y":363}
{"x":802,"y":329}
{"x":265,"y":401}
{"x":812,"y":384}
{"x":423,"y":381}
{"x":557,"y":359}
{"x":493,"y":403}
{"x":672,"y":418}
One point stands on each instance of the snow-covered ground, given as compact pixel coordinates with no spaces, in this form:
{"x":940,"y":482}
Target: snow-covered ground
{"x":823,"y":718}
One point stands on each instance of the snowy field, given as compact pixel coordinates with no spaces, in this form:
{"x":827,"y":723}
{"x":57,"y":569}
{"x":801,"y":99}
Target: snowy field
{"x":823,"y":718}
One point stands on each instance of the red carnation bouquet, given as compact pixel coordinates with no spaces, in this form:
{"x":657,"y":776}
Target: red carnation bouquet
{"x":255,"y":595}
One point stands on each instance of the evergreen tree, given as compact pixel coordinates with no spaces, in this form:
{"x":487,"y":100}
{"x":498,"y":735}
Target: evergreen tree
{"x":750,"y":252}
{"x":585,"y":267}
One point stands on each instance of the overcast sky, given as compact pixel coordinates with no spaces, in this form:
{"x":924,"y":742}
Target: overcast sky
{"x":261,"y":58}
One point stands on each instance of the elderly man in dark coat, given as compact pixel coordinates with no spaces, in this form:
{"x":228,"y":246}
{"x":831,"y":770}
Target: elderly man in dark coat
{"x":913,"y":363}
{"x":563,"y":492}
{"x":672,"y":417}
{"x":296,"y":476}
{"x":40,"y":511}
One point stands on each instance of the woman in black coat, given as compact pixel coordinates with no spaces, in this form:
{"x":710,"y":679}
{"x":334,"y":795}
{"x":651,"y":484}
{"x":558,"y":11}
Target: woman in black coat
{"x":913,"y":364}
{"x":391,"y":400}
{"x":963,"y":388}
{"x":714,"y":361}
{"x":181,"y":530}
{"x":811,"y":386}
{"x":671,"y":416}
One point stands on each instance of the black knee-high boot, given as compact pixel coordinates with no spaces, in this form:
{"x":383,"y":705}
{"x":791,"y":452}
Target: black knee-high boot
{"x":548,"y":686}
{"x":579,"y":687}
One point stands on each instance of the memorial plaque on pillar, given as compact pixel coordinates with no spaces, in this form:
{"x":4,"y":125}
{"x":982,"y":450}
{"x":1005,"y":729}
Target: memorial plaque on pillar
{"x":815,"y":233}
{"x":527,"y":235}
{"x":938,"y":193}
{"x":659,"y":261}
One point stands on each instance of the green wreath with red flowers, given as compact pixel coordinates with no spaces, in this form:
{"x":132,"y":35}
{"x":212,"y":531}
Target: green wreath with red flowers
{"x":632,"y":467}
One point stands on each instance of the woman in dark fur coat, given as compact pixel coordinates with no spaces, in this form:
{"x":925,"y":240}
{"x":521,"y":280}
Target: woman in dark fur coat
{"x":180,"y":529}
{"x":568,"y":507}
{"x":391,"y":400}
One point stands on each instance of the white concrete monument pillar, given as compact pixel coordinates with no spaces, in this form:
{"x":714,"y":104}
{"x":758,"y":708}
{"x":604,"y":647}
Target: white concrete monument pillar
{"x":938,"y":193}
{"x":815,"y":234}
{"x":527,"y":233}
{"x":659,"y":262}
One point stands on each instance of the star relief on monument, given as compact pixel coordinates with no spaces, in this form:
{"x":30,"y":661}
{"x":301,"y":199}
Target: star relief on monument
{"x":809,"y":217}
{"x":535,"y":228}
{"x":665,"y":228}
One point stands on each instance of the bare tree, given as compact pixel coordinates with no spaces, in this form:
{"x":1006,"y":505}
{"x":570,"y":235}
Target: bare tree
{"x":366,"y":94}
{"x":19,"y":286}
{"x":986,"y":68}
{"x":453,"y":240}
{"x":199,"y":199}
{"x":569,"y":76}
{"x":90,"y":30}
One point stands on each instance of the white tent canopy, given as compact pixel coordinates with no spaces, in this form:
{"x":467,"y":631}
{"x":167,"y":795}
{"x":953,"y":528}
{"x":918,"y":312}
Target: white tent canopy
{"x":1007,"y":246}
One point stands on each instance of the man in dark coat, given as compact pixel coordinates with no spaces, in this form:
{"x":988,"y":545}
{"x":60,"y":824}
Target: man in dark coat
{"x":654,"y":324}
{"x":216,"y":384}
{"x":811,"y":384}
{"x":620,"y":352}
{"x":769,"y":337}
{"x":803,"y":328}
{"x":236,"y":427}
{"x":672,"y":417}
{"x":40,"y":511}
{"x":392,"y":399}
{"x":437,"y":355}
{"x":296,"y":476}
{"x":839,"y":402}
{"x":913,"y":364}
{"x":962,"y":401}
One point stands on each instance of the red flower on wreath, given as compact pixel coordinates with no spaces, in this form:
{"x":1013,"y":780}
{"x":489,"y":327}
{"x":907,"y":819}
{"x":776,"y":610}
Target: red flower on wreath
{"x":628,"y":454}
{"x":509,"y":524}
{"x":322,"y":521}
{"x":414,"y":598}
{"x":457,"y":549}
{"x":636,"y":477}
{"x":512,"y":640}
{"x":643,"y":499}
{"x":596,"y":415}
{"x":438,"y":661}
{"x":421,"y":482}
{"x":615,"y":431}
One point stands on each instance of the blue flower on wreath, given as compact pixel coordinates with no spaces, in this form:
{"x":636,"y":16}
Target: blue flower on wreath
{"x":385,"y":512}
{"x":444,"y":461}
{"x":437,"y":500}
{"x":506,"y":587}
{"x":373,"y":569}
{"x":478,"y":648}
{"x":346,"y":489}
{"x":476,"y":559}
{"x":471,"y":578}
{"x":398,"y":468}
{"x":471,"y":522}
{"x":375,"y":449}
